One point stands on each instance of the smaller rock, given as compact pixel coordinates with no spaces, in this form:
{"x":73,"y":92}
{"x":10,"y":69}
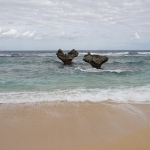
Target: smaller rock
{"x":67,"y":58}
{"x":95,"y":60}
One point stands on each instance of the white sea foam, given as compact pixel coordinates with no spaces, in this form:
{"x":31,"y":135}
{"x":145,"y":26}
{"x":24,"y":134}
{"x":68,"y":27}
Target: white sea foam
{"x":5,"y":55}
{"x":113,"y":53}
{"x":124,"y":94}
{"x":28,"y":55}
{"x":107,"y":53}
{"x":82,"y":54}
{"x":144,"y":53}
{"x":102,"y":70}
{"x":46,"y":54}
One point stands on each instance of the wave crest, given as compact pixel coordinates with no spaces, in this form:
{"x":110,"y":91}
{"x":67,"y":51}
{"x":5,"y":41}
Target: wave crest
{"x":144,"y":53}
{"x":124,"y":94}
{"x":90,"y":70}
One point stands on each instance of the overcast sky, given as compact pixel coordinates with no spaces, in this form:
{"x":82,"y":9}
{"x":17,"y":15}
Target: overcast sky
{"x":78,"y":24}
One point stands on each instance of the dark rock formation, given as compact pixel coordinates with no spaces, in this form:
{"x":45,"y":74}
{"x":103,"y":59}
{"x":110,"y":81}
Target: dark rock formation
{"x":67,"y":58}
{"x":95,"y":60}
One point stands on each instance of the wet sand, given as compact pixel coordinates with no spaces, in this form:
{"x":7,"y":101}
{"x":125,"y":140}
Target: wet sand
{"x":75,"y":126}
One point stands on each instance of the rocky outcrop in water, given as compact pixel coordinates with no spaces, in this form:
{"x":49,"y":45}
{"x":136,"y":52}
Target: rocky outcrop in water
{"x":95,"y":60}
{"x":67,"y":58}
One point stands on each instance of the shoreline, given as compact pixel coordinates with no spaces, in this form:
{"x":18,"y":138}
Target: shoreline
{"x":74,"y":125}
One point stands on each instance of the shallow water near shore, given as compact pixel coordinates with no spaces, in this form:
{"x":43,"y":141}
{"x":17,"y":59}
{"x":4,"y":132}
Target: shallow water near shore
{"x":40,"y":76}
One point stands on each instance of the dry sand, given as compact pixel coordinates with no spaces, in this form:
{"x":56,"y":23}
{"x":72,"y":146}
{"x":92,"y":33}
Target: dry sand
{"x":74,"y":126}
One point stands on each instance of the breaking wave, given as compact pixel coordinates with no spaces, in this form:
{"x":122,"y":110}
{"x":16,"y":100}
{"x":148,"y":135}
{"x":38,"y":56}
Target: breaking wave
{"x":124,"y":94}
{"x":53,"y":53}
{"x":107,"y":53}
{"x":144,"y":53}
{"x":102,"y":70}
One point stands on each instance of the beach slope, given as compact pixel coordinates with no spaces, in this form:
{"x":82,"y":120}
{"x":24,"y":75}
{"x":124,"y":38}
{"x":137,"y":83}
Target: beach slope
{"x":75,"y":126}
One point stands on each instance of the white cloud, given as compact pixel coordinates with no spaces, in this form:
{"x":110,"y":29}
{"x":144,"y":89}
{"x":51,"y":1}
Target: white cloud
{"x":136,"y":36}
{"x":28,"y":34}
{"x":55,"y":19}
{"x":64,"y":35}
{"x":10,"y":32}
{"x":13,"y":33}
{"x":37,"y":38}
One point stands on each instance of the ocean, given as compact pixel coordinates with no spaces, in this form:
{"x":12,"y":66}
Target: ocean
{"x":37,"y":76}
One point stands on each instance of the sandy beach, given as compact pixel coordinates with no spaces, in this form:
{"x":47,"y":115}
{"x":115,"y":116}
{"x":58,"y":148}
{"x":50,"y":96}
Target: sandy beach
{"x":75,"y":126}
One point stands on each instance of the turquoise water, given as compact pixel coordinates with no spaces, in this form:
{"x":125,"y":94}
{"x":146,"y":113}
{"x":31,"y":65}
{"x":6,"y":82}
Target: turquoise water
{"x":41,"y":76}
